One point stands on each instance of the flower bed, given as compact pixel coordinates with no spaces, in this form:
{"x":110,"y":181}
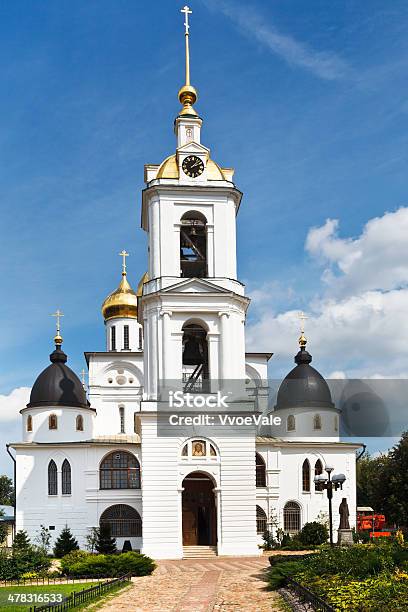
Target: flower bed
{"x":362,"y":578}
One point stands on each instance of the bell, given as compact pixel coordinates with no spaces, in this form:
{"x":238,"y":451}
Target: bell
{"x":191,"y":353}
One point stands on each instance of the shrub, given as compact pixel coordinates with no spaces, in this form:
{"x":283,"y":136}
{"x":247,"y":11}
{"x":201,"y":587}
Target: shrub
{"x":95,"y":566}
{"x":133,"y":563}
{"x":76,"y":556}
{"x":31,"y":559}
{"x":313,"y":533}
{"x":82,"y":564}
{"x":65,"y":543}
{"x":269,"y":541}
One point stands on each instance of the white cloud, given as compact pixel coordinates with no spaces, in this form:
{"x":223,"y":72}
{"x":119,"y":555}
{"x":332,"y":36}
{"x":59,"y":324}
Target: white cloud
{"x":357,"y":323}
{"x":324,"y":64}
{"x":377,"y":259}
{"x":10,"y":405}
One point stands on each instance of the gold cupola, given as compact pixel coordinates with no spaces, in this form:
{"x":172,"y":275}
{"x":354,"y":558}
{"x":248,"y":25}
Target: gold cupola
{"x":123,"y":301}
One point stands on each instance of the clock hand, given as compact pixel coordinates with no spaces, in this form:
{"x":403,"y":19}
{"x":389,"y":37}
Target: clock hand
{"x":197,"y":163}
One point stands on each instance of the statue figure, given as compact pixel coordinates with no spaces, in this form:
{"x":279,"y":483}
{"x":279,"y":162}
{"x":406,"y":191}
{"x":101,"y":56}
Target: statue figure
{"x":344,"y":514}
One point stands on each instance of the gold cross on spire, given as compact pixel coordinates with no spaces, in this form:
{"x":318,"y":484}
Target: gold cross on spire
{"x":186,"y":10}
{"x":302,"y":339}
{"x":187,"y":94}
{"x":123,"y":254}
{"x":58,"y":314}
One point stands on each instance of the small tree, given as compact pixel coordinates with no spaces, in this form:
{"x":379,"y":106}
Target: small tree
{"x":105,"y":544}
{"x":21,"y":542}
{"x":4,"y":528}
{"x":65,"y":543}
{"x":43,"y":538}
{"x":91,"y":539}
{"x":313,"y":533}
{"x":6,"y":491}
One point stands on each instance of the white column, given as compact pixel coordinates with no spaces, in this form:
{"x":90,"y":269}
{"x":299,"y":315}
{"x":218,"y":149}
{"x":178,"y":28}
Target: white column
{"x":166,"y":343}
{"x":224,"y":352}
{"x":154,"y":232}
{"x":210,"y":250}
{"x":218,"y":508}
{"x":213,"y":355}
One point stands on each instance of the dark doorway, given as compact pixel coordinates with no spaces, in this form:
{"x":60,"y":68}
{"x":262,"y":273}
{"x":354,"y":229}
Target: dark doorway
{"x":199,"y":512}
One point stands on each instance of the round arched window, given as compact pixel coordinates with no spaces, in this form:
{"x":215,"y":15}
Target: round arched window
{"x":119,"y":470}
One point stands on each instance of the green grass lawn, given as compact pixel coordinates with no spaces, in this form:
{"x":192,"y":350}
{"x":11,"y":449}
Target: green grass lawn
{"x":7,"y":605}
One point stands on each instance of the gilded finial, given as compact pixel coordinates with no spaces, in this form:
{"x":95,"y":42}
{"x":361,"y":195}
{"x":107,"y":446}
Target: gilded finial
{"x":187,"y":94}
{"x":302,"y":339}
{"x":123,"y":254}
{"x":58,"y":338}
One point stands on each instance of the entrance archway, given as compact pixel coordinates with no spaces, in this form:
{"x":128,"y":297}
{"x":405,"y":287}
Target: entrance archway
{"x":199,"y":511}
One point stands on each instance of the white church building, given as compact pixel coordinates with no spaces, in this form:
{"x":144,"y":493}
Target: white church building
{"x":95,"y":457}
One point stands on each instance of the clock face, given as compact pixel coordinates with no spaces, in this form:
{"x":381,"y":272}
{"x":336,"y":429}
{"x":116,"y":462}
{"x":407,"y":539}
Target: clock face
{"x":193,"y":166}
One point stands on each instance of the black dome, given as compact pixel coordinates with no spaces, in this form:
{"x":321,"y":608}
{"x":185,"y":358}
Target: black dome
{"x":58,"y":385}
{"x":304,"y":386}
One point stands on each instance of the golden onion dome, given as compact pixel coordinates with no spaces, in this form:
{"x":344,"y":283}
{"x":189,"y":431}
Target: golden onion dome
{"x":121,"y":303}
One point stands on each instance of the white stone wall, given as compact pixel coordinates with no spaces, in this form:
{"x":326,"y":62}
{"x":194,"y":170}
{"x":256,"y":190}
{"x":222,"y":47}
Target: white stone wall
{"x":284,"y":480}
{"x":82,"y":508}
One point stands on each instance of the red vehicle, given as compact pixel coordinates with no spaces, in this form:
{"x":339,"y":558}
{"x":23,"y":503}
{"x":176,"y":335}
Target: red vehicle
{"x":368,"y":520}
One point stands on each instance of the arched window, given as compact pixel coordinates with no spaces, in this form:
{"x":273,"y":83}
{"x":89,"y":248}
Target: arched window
{"x":291,"y":517}
{"x":306,"y":476}
{"x":123,"y":521}
{"x":260,"y":520}
{"x":126,"y":337}
{"x":195,"y":358}
{"x":318,"y":471}
{"x":291,"y":423}
{"x":122,"y":419}
{"x":52,"y":421}
{"x":193,"y":245}
{"x":66,"y":477}
{"x":113,"y":338}
{"x":260,"y":471}
{"x":80,"y":423}
{"x":317,"y":422}
{"x":29,"y":423}
{"x":120,"y":470}
{"x":336,"y":423}
{"x":52,"y":478}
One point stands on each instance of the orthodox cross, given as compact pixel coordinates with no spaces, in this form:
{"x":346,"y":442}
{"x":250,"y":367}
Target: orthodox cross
{"x":302,"y":318}
{"x":186,"y":10}
{"x":58,"y":314}
{"x":123,"y":254}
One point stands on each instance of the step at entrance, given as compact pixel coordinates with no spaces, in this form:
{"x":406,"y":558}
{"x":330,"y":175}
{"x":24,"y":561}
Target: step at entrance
{"x":199,"y":552}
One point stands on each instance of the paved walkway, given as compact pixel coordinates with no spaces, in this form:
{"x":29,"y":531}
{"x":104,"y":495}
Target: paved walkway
{"x":202,"y":585}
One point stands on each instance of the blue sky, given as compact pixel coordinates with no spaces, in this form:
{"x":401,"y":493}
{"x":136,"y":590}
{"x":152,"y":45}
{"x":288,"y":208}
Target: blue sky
{"x":309,"y":103}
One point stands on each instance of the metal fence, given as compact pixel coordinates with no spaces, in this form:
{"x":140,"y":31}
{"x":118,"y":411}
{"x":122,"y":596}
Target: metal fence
{"x":309,"y":597}
{"x":42,"y":580}
{"x":81,"y":597}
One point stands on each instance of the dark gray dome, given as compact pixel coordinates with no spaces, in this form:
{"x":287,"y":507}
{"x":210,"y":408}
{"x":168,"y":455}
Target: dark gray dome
{"x":58,"y":385}
{"x":304,"y":386}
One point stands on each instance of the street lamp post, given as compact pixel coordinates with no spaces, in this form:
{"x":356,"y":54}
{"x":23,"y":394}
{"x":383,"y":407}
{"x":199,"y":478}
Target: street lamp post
{"x":329,"y":483}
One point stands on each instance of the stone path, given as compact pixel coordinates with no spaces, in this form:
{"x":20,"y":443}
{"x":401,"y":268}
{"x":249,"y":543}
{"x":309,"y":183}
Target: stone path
{"x":201,"y":585}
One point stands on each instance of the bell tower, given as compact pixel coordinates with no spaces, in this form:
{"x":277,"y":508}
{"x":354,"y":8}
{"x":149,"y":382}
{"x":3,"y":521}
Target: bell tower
{"x":193,"y":297}
{"x":193,"y":311}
